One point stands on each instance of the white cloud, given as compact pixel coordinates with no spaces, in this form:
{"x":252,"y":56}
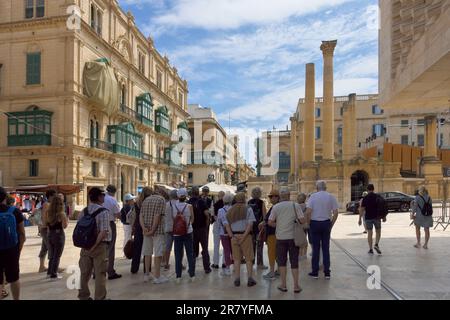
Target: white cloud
{"x":230,"y":14}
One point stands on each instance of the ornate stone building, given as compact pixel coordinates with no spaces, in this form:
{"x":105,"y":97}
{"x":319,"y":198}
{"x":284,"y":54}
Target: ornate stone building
{"x":89,"y":104}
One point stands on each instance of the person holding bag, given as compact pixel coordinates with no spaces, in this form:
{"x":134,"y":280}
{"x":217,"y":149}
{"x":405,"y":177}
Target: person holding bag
{"x":422,"y":215}
{"x":287,"y":217}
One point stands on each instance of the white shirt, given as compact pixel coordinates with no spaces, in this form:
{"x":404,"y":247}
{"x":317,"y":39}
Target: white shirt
{"x":179,"y":206}
{"x":112,"y":206}
{"x":322,"y":205}
{"x":284,"y":215}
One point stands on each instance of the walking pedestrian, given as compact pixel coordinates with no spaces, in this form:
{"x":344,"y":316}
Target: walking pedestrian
{"x":239,"y":224}
{"x":168,"y":227}
{"x":370,"y":210}
{"x":271,"y":240}
{"x":43,"y":230}
{"x":224,"y":237}
{"x":56,"y":222}
{"x":322,"y":213}
{"x":422,"y":215}
{"x":301,"y":200}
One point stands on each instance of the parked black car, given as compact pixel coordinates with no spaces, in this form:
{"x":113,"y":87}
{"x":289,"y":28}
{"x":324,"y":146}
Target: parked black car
{"x":396,"y":201}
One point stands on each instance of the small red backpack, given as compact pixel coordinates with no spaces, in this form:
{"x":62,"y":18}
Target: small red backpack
{"x":179,"y":223}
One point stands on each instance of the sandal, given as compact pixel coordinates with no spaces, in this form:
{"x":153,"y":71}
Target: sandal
{"x":4,"y":294}
{"x":298,"y":290}
{"x":282,"y":289}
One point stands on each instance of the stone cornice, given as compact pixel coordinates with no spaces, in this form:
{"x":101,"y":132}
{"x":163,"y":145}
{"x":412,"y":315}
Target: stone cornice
{"x":30,"y":23}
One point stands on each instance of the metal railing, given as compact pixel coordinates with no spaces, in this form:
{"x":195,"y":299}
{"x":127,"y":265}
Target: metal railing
{"x":99,"y":144}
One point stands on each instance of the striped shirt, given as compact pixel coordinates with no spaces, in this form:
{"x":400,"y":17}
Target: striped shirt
{"x":153,"y":207}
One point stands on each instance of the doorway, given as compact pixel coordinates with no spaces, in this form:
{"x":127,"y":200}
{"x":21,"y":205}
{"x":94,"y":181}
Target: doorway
{"x":360,"y":181}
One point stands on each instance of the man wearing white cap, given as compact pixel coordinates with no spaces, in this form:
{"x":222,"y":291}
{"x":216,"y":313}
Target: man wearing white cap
{"x":128,"y":206}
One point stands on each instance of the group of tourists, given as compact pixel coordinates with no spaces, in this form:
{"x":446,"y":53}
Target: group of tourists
{"x":155,"y":222}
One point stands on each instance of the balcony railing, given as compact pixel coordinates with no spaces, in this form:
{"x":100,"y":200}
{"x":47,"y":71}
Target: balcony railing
{"x":160,"y":160}
{"x":135,"y":115}
{"x":148,"y":157}
{"x":99,"y":144}
{"x":127,"y":151}
{"x":206,"y":158}
{"x":30,"y":140}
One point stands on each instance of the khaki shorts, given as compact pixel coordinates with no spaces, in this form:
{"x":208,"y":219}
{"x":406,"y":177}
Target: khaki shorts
{"x":243,"y":250}
{"x":154,"y":245}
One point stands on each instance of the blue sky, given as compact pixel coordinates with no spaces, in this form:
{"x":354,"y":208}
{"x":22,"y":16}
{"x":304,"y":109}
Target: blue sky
{"x":246,"y":58}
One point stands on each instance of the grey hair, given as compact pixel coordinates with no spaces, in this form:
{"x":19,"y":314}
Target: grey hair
{"x":228,"y":198}
{"x":256,"y":193}
{"x":173,"y":194}
{"x":321,"y":185}
{"x":284,"y":192}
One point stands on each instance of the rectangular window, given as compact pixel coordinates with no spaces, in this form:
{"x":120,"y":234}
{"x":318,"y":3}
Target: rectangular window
{"x":29,"y":9}
{"x":141,"y":63}
{"x":420,"y":122}
{"x":339,"y":135}
{"x":92,"y":16}
{"x":158,"y":176}
{"x":441,"y":140}
{"x":159,"y":80}
{"x":376,"y":109}
{"x":99,"y":22}
{"x":405,"y":139}
{"x":420,"y":140}
{"x":317,"y":112}
{"x":318,"y":133}
{"x":342,"y":111}
{"x":404,"y":123}
{"x":34,"y":168}
{"x":33,"y":68}
{"x":180,"y":99}
{"x":378,"y":130}
{"x":94,"y":169}
{"x":141,"y":174}
{"x":40,"y":8}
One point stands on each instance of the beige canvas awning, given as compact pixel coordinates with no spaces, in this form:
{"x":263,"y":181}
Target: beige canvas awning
{"x":101,"y":86}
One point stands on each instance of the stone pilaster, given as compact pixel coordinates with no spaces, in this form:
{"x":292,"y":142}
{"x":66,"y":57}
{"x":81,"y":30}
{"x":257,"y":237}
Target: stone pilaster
{"x":349,"y":149}
{"x":327,"y":48}
{"x":309,"y":115}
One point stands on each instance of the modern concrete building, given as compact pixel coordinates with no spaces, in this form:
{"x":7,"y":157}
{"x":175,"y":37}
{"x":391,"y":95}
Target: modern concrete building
{"x":86,"y":100}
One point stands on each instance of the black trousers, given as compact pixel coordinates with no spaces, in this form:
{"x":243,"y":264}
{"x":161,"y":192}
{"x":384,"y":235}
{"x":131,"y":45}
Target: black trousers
{"x":56,"y":241}
{"x":137,"y":251}
{"x":201,"y":237}
{"x":112,"y":249}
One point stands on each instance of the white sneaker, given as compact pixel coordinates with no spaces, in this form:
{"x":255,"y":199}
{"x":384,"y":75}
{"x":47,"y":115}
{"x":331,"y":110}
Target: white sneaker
{"x":178,"y":280}
{"x":146,"y":278}
{"x":160,"y":280}
{"x":192,"y":279}
{"x":226,"y":272}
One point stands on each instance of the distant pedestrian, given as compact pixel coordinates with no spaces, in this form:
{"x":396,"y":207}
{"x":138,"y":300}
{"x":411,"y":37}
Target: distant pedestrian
{"x":152,"y":222}
{"x":284,"y":215}
{"x":274,"y":197}
{"x":216,"y":230}
{"x":43,"y":230}
{"x":422,"y":215}
{"x":56,"y":222}
{"x":224,"y":237}
{"x":239,"y":224}
{"x":168,"y":227}
{"x":322,"y":212}
{"x":301,"y":200}
{"x":370,"y":208}
{"x":259,"y":210}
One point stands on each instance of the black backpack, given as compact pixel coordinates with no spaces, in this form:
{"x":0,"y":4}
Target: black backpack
{"x":427,"y":209}
{"x":382,"y":207}
{"x":85,"y":233}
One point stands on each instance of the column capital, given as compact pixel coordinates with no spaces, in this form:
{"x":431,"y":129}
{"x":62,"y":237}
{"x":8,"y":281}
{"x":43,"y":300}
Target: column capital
{"x":328,"y":47}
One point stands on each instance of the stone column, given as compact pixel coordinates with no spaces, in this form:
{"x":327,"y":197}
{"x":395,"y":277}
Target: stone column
{"x":349,"y":149}
{"x":327,"y":48}
{"x":119,"y":180}
{"x":309,"y":140}
{"x":431,"y":137}
{"x":293,"y":145}
{"x":132,"y":179}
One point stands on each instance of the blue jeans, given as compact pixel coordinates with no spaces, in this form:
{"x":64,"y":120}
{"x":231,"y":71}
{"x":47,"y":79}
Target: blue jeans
{"x":320,"y":232}
{"x":187,"y":242}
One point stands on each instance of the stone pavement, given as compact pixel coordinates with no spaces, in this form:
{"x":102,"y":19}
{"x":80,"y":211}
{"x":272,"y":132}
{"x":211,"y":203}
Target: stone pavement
{"x":409,"y":272}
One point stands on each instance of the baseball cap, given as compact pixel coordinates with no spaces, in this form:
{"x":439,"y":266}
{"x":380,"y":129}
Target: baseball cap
{"x":129,"y":197}
{"x":95,"y":193}
{"x":182,"y":193}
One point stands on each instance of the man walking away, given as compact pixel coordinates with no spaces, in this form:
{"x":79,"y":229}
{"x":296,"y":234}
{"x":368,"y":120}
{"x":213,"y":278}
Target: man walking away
{"x":11,"y":243}
{"x":370,"y":207}
{"x":43,"y":230}
{"x":128,"y":206}
{"x":152,"y":222}
{"x":114,"y":213}
{"x":96,"y":257}
{"x":201,"y":227}
{"x":322,"y":212}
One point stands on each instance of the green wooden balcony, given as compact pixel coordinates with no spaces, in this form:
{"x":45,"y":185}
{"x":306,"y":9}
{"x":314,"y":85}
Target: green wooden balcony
{"x":30,"y":140}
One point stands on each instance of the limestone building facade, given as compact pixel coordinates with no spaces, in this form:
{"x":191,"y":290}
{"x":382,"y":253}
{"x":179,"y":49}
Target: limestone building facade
{"x":59,"y":129}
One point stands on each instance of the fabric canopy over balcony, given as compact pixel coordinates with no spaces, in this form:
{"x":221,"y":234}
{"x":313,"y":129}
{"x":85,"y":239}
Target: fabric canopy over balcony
{"x":101,"y":86}
{"x":66,"y":189}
